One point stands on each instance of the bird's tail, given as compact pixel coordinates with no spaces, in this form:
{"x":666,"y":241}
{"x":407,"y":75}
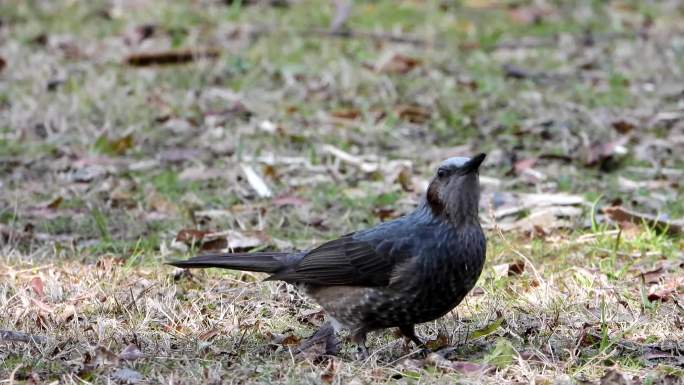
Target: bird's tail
{"x":265,"y":262}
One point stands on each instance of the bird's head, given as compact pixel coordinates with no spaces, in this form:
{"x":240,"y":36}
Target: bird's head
{"x":454,"y":192}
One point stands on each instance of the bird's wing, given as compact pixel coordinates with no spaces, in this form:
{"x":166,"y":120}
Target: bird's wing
{"x":366,"y":258}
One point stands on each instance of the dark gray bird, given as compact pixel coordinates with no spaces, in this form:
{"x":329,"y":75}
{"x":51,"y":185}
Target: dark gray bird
{"x":399,"y":273}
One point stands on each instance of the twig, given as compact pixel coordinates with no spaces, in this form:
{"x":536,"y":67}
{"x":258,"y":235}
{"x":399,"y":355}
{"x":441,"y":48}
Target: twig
{"x":8,"y":335}
{"x":170,"y":57}
{"x":14,"y":372}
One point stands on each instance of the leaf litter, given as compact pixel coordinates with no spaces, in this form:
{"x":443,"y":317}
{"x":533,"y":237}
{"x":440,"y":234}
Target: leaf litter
{"x":203,"y":127}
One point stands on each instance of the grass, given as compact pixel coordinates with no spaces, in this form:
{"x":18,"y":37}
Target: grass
{"x":102,"y":165}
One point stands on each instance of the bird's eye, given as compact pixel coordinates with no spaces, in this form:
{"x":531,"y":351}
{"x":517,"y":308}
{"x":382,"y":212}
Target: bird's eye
{"x":441,"y":173}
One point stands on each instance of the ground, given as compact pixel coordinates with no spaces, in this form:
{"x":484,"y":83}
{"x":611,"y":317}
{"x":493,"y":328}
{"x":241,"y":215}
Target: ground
{"x":281,"y":124}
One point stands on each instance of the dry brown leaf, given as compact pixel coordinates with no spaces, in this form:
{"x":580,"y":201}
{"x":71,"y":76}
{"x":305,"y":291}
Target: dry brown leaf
{"x":130,"y":353}
{"x":191,"y":236}
{"x":439,"y":342}
{"x":116,"y":146}
{"x":170,"y":57}
{"x":38,"y":287}
{"x":516,"y":268}
{"x":396,"y":63}
{"x":601,"y":153}
{"x":230,"y":240}
{"x":54,"y":204}
{"x":621,"y":215}
{"x":663,"y":292}
{"x":312,"y":317}
{"x":652,"y":276}
{"x":208,"y":335}
{"x":624,"y":126}
{"x":346,"y":113}
{"x":412,"y":113}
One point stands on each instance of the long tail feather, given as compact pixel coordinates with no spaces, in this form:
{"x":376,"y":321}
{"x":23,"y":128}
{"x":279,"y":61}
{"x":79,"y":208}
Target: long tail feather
{"x":265,"y":262}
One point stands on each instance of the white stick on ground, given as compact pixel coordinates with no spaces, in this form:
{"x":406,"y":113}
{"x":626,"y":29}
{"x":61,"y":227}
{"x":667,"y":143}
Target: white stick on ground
{"x":256,"y":181}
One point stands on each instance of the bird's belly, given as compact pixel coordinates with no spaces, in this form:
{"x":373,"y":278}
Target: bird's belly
{"x":376,"y":308}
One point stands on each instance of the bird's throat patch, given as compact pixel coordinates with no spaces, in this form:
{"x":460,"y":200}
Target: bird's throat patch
{"x":433,"y":200}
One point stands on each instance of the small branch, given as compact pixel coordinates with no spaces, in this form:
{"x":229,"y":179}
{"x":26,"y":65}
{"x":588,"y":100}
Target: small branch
{"x":170,"y":57}
{"x":8,"y":335}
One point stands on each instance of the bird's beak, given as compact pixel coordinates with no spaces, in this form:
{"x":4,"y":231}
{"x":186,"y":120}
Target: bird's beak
{"x":474,"y":163}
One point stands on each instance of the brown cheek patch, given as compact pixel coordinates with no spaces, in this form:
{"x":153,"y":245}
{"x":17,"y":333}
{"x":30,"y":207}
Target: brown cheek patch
{"x":433,"y":198}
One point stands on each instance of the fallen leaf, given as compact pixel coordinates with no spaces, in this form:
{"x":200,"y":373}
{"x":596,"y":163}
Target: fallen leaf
{"x":312,"y":317}
{"x":487,"y":330}
{"x":396,"y":63}
{"x":54,"y":204}
{"x":230,"y":240}
{"x":116,"y":146}
{"x":620,"y":215}
{"x":346,"y":113}
{"x":613,"y":377}
{"x":170,"y":57}
{"x":502,"y":355}
{"x":209,"y":334}
{"x":191,"y":236}
{"x":130,"y":353}
{"x":602,"y":154}
{"x":439,"y":342}
{"x":38,"y":287}
{"x":666,"y":290}
{"x":652,"y":276}
{"x":516,"y":268}
{"x":412,"y":113}
{"x":624,"y":126}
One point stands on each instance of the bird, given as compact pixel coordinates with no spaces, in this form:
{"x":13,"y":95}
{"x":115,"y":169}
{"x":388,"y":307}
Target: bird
{"x":399,"y":273}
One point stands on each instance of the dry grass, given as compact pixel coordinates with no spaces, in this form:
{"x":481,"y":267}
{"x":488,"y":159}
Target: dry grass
{"x":102,"y":165}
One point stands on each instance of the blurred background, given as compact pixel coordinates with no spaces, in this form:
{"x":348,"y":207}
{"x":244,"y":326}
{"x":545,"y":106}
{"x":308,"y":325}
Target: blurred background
{"x":122,"y":119}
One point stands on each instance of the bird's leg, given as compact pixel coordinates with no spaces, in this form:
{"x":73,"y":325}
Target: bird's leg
{"x":409,"y":332}
{"x":325,"y":333}
{"x":359,"y":338}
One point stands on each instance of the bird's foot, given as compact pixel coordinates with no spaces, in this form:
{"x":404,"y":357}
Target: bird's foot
{"x":362,"y":353}
{"x":326,"y":335}
{"x":422,"y":352}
